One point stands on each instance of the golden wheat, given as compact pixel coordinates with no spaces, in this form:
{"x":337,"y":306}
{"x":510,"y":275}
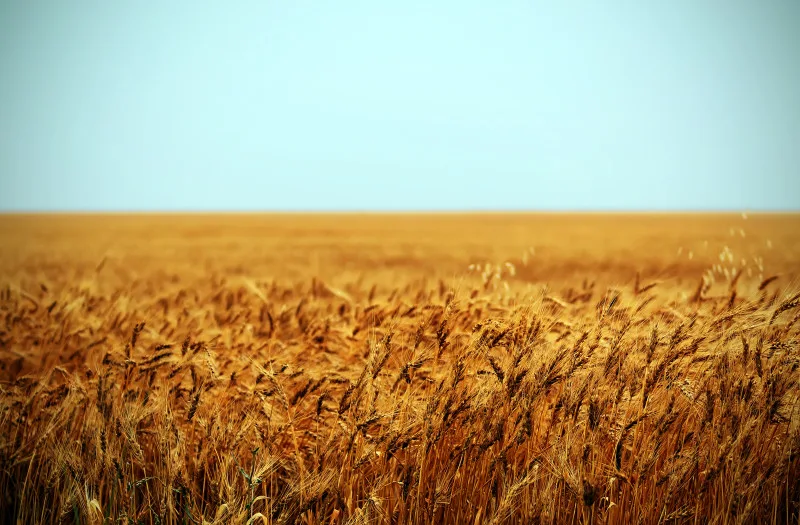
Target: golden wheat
{"x":201,"y":377}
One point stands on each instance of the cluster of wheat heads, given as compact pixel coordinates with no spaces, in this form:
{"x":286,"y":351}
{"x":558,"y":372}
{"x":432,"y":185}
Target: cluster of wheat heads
{"x":253,"y":402}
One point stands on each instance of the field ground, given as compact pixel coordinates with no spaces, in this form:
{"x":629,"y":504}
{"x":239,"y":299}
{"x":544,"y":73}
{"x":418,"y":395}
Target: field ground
{"x":483,"y":368}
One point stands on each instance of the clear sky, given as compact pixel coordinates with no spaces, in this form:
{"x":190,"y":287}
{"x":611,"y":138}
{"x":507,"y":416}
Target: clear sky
{"x":400,"y":105}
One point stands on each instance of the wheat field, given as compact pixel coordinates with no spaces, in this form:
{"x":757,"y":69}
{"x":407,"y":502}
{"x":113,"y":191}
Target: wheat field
{"x":348,"y":369}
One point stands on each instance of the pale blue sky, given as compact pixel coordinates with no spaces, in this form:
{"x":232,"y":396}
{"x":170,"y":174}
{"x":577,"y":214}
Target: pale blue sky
{"x":409,"y":105}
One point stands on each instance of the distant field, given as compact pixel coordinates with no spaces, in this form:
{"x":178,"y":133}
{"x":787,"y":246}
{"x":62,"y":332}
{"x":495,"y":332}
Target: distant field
{"x":482,"y":368}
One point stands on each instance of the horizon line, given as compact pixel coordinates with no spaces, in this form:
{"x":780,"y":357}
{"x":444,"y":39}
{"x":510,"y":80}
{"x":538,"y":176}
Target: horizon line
{"x":426,"y":211}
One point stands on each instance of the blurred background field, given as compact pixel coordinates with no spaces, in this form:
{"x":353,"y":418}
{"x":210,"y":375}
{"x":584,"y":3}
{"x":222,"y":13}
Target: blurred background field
{"x":125,"y":251}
